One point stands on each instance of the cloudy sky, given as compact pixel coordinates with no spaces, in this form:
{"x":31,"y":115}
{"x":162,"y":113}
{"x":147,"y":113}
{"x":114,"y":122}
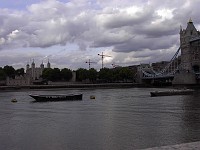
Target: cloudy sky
{"x":70,"y":32}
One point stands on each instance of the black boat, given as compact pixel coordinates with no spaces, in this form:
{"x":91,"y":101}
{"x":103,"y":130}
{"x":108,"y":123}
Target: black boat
{"x":58,"y":97}
{"x":172,"y":92}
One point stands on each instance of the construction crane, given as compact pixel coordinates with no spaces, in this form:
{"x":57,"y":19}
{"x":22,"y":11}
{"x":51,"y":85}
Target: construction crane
{"x":89,"y":62}
{"x":102,"y":57}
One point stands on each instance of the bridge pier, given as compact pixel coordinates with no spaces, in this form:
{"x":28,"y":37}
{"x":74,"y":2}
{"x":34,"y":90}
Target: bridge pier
{"x":184,"y":78}
{"x":157,"y":81}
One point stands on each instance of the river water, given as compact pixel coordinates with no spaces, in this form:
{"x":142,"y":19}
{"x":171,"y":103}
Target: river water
{"x":118,"y":119}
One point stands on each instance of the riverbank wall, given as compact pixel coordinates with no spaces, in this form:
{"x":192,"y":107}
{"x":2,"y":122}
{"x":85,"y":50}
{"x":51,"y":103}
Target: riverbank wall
{"x":99,"y":85}
{"x":184,"y":146}
{"x":82,"y":86}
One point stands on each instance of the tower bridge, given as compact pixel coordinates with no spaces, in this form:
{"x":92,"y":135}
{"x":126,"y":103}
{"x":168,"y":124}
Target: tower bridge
{"x":186,"y":71}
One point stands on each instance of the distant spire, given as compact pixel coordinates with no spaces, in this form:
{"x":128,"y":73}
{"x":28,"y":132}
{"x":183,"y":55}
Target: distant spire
{"x":190,"y":21}
{"x":33,"y":61}
{"x":180,"y":28}
{"x":33,"y":64}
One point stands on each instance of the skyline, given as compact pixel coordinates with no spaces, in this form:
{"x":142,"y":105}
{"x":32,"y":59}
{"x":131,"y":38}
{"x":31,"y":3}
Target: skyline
{"x":69,"y":33}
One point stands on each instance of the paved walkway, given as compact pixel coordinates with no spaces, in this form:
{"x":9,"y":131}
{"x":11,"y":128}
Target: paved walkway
{"x":185,"y":146}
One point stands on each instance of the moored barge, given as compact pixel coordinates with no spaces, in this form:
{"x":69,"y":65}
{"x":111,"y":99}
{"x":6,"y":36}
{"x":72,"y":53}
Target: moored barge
{"x":58,"y":97}
{"x":172,"y":92}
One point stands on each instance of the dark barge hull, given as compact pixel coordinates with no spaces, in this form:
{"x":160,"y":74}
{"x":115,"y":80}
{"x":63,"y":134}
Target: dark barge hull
{"x":170,"y":93}
{"x":47,"y":98}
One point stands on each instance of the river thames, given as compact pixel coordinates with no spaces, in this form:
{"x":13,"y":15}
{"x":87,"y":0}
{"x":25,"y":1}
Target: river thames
{"x":118,"y":119}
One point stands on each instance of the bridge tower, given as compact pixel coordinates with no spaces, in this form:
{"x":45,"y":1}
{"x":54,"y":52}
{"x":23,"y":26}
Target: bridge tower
{"x":189,"y":50}
{"x":190,"y":55}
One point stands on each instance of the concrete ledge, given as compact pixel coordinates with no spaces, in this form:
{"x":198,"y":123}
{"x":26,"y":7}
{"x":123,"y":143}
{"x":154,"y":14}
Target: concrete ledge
{"x":185,"y":146}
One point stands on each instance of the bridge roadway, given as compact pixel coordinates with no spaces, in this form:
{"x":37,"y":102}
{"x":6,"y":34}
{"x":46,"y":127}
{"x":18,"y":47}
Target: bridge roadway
{"x":159,"y":77}
{"x":167,"y":76}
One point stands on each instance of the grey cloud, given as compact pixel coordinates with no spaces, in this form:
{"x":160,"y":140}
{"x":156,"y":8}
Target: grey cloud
{"x":88,"y":24}
{"x":140,"y":43}
{"x":44,"y":26}
{"x":164,"y":28}
{"x":120,"y":3}
{"x":108,"y":39}
{"x":10,"y":21}
{"x":167,"y":3}
{"x":183,"y":13}
{"x":120,"y":19}
{"x":18,"y":59}
{"x":55,"y":23}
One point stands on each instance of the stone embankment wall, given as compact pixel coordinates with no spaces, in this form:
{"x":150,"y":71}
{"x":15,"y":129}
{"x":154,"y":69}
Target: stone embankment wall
{"x":105,"y":85}
{"x":185,"y":146}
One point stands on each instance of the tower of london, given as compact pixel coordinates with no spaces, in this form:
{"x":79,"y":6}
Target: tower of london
{"x":32,"y":75}
{"x":35,"y":72}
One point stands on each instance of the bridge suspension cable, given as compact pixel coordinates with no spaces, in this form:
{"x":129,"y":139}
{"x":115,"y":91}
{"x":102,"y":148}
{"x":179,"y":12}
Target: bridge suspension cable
{"x":169,"y":69}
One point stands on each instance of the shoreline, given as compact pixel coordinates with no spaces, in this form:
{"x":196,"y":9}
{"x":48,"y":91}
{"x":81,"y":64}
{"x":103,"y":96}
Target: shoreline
{"x":95,"y":85}
{"x":184,"y":146}
{"x":75,"y":86}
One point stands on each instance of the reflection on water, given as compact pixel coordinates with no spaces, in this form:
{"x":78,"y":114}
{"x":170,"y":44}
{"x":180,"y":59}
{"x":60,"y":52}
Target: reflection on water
{"x":191,"y":117}
{"x":116,"y":119}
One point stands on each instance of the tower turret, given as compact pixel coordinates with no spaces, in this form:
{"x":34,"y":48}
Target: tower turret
{"x":27,"y":66}
{"x":33,"y":69}
{"x":42,"y":65}
{"x":48,"y":64}
{"x":33,"y":64}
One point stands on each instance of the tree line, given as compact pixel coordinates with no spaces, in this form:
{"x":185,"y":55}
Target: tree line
{"x":9,"y":71}
{"x":121,"y":74}
{"x":56,"y":74}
